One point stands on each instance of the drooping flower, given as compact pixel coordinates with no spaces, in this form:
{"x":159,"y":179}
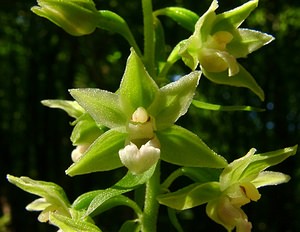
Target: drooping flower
{"x":141,"y":119}
{"x":218,"y":42}
{"x":236,"y":186}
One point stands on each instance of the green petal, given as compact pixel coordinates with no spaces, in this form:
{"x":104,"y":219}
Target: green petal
{"x":102,"y":105}
{"x":270,"y":178}
{"x":246,"y":41}
{"x":182,"y":16}
{"x":72,"y":108}
{"x":191,"y":196}
{"x":174,"y":100}
{"x":242,"y":79}
{"x":102,"y":155}
{"x":137,"y":88}
{"x":67,"y":224}
{"x":235,"y":17}
{"x":182,"y":147}
{"x":86,"y":130}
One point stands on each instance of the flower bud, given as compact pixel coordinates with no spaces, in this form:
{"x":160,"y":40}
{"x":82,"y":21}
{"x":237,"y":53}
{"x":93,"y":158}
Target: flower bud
{"x":77,"y":17}
{"x":139,"y":160}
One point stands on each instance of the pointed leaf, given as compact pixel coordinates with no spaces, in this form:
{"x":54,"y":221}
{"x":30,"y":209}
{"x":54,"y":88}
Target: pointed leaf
{"x":270,"y":178}
{"x":241,"y":79}
{"x":102,"y":155}
{"x":137,"y":88}
{"x":182,"y":16}
{"x":67,"y":224}
{"x":103,"y":106}
{"x":72,"y":108}
{"x":202,"y":175}
{"x":209,"y":106}
{"x":174,"y":100}
{"x":128,"y":183}
{"x":182,"y":147}
{"x":246,"y":41}
{"x":191,"y":196}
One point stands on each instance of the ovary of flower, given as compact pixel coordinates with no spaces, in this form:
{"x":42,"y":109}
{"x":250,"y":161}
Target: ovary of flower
{"x":78,"y":152}
{"x":214,"y":57}
{"x":139,"y":160}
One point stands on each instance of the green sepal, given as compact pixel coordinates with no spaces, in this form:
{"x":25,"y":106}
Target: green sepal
{"x":246,"y":41}
{"x":174,"y":100}
{"x":51,"y":192}
{"x":113,"y":22}
{"x":126,"y":184}
{"x":102,"y":155}
{"x":137,"y":88}
{"x":103,"y":106}
{"x":85,"y":130}
{"x":184,"y":17}
{"x":235,"y":17}
{"x":130,"y":226}
{"x":202,"y":175}
{"x":216,"y":107}
{"x":247,"y":168}
{"x":72,"y":108}
{"x":242,"y":79}
{"x":67,"y":224}
{"x":182,"y":147}
{"x":270,"y":178}
{"x":191,"y":196}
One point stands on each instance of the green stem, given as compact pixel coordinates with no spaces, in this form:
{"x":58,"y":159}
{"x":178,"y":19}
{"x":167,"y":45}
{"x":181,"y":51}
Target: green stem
{"x":149,"y":46}
{"x":151,"y":206}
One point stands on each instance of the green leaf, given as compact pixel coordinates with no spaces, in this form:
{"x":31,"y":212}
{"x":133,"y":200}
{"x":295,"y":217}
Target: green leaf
{"x":130,"y":226}
{"x":182,"y":16}
{"x":209,"y":106}
{"x":52,"y":192}
{"x":67,"y":224}
{"x":242,"y":79}
{"x":235,"y":17}
{"x":246,"y":41}
{"x":174,"y":100}
{"x":248,"y":167}
{"x":191,"y":196}
{"x":182,"y":147}
{"x":72,"y":108}
{"x":103,"y":106}
{"x":102,"y":155}
{"x":270,"y":178}
{"x":126,"y":184}
{"x":137,"y":88}
{"x":111,"y":21}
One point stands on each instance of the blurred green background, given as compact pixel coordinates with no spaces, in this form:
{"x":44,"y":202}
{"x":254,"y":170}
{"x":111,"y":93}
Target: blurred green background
{"x":40,"y":61}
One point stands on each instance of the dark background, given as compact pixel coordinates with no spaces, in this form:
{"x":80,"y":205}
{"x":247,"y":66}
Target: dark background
{"x":40,"y":61}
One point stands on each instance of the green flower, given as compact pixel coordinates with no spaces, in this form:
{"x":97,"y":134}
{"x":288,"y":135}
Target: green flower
{"x":141,"y":119}
{"x":218,"y":42}
{"x":54,"y":205}
{"x":236,"y":186}
{"x":77,"y":17}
